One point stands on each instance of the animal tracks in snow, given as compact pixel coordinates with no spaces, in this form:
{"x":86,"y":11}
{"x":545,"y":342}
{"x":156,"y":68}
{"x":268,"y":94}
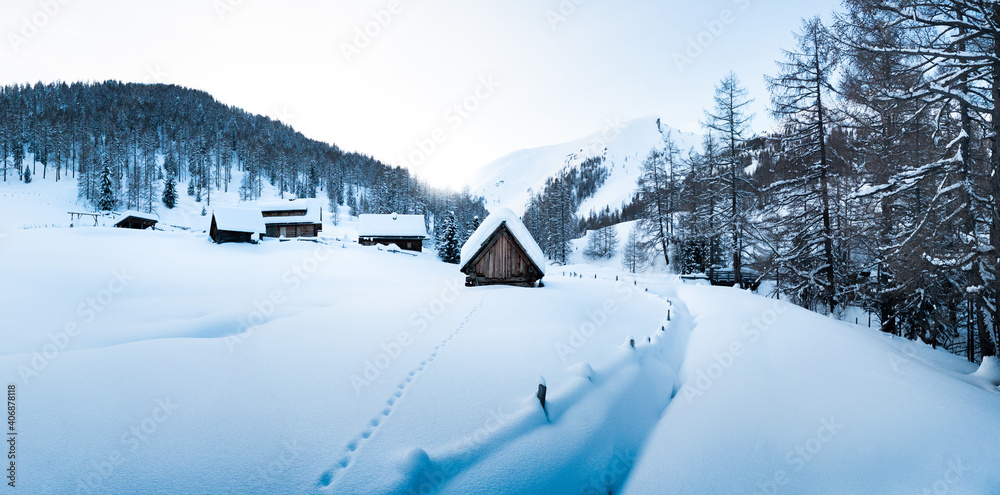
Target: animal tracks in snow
{"x":330,"y":476}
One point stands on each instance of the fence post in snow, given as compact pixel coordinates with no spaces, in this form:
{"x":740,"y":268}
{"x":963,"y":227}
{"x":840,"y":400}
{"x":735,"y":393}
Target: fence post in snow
{"x":542,"y":389}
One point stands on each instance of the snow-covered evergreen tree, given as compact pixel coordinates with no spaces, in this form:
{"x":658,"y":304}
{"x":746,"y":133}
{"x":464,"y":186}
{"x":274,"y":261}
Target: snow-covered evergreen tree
{"x":170,"y":193}
{"x":106,"y":201}
{"x":449,"y":247}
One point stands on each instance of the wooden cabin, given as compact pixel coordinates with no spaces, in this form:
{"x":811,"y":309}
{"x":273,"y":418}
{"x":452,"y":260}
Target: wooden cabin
{"x":296,"y":218}
{"x":236,"y":225}
{"x":406,"y":231}
{"x":136,"y":220}
{"x":502,"y":252}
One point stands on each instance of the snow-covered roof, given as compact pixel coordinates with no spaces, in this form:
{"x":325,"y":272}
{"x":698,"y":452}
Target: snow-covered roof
{"x":290,"y":205}
{"x":239,"y":220}
{"x":139,"y":214}
{"x":313,"y":211}
{"x":392,"y":226}
{"x":490,"y":225}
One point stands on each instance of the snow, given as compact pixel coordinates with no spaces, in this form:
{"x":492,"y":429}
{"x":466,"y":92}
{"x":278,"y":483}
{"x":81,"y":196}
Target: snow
{"x":239,"y":219}
{"x":288,"y":205}
{"x":513,"y":179}
{"x":989,"y":371}
{"x":394,"y":225}
{"x":776,"y":399}
{"x":138,"y":214}
{"x":516,"y":227}
{"x":314,"y":212}
{"x":161,"y":363}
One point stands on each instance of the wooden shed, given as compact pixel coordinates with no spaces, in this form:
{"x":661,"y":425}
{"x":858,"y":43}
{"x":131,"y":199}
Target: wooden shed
{"x":502,"y":252}
{"x":406,"y":231}
{"x":136,"y":220}
{"x":295,"y":218}
{"x":236,"y":225}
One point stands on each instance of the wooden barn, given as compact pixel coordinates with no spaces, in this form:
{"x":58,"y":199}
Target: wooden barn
{"x":406,"y":231}
{"x":137,"y":220}
{"x":296,"y":218}
{"x":502,"y":252}
{"x":236,"y":225}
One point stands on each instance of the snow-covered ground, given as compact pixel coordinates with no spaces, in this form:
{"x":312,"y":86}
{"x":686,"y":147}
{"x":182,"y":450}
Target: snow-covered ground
{"x":158,"y":362}
{"x":513,"y":179}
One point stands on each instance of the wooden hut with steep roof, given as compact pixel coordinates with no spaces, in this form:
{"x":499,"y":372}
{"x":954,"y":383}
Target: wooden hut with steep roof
{"x":502,"y":252}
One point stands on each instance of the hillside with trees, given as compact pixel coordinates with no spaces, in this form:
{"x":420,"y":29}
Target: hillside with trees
{"x":130,"y":145}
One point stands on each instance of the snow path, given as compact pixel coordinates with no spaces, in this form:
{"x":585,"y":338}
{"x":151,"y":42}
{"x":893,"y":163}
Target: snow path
{"x":776,"y":399}
{"x":340,"y":469}
{"x":596,"y":421}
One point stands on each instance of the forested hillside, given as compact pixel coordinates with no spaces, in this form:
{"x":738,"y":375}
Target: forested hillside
{"x":125,"y":143}
{"x":876,"y":190}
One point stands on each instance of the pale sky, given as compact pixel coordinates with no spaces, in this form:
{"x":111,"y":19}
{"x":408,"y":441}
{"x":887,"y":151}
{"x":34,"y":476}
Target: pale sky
{"x":523,"y":73}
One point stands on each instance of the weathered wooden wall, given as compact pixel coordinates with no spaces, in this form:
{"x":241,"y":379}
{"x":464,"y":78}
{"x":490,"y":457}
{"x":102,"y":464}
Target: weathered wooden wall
{"x":503,"y":262}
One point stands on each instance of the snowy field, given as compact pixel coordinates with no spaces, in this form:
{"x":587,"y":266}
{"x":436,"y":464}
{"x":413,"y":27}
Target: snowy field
{"x":158,"y":362}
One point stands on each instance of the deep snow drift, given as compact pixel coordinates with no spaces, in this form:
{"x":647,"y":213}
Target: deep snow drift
{"x":158,"y":362}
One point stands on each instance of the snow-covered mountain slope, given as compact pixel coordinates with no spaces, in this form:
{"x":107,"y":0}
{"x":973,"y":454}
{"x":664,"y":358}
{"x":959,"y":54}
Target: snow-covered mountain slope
{"x":511,"y":180}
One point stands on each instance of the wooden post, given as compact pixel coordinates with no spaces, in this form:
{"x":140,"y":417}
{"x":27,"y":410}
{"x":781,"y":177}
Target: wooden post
{"x":542,"y":390}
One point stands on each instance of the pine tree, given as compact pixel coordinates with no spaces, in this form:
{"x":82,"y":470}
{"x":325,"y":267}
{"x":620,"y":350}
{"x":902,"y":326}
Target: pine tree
{"x":476,"y":222}
{"x":27,"y":175}
{"x":801,"y":98}
{"x":449,"y":249}
{"x":107,"y":201}
{"x":731,"y":123}
{"x":170,"y":193}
